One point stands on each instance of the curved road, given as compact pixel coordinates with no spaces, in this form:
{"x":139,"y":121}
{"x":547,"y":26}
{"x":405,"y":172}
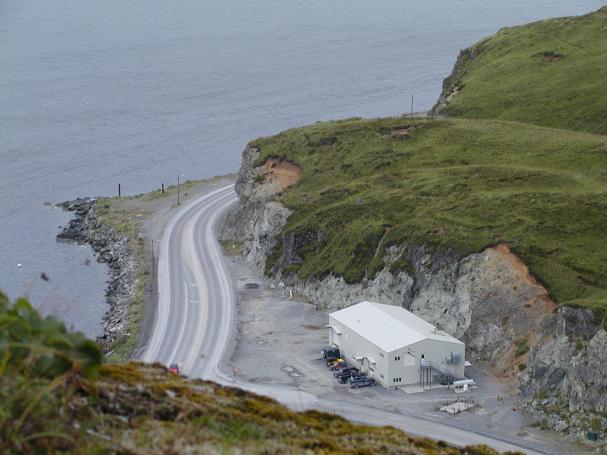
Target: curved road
{"x":194,"y":321}
{"x":193,"y":317}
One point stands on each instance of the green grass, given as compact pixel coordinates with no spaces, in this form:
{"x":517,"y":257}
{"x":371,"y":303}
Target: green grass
{"x":459,"y":184}
{"x":549,"y":73}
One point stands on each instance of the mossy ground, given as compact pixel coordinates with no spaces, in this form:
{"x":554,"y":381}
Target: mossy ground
{"x":549,"y":73}
{"x":143,"y":409}
{"x":458,"y":184}
{"x":56,"y":397}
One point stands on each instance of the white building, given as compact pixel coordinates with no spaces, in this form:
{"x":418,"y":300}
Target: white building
{"x":394,"y":346}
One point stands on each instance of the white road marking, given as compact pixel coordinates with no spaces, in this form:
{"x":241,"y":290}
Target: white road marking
{"x":185,"y":320}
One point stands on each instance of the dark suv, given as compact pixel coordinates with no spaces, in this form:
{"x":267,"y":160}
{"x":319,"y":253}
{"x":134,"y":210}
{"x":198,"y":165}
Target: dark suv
{"x":330,"y":354}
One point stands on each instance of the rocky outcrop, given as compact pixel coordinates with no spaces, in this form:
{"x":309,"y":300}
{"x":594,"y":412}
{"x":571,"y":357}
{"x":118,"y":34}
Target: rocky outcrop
{"x":568,"y":360}
{"x":489,"y":299}
{"x":258,"y":220}
{"x":452,"y":85}
{"x":114,"y":249}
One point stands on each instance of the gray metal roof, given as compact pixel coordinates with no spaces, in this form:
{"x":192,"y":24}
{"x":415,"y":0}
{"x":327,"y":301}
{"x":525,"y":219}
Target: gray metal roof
{"x":389,"y":327}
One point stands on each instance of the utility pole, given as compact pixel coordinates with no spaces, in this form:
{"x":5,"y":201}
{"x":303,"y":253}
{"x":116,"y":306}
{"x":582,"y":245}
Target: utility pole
{"x":411,"y":106}
{"x":153,"y":268}
{"x":177,"y":189}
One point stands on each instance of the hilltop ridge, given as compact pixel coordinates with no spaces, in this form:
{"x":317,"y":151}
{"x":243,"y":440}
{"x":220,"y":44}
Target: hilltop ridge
{"x":549,"y":73}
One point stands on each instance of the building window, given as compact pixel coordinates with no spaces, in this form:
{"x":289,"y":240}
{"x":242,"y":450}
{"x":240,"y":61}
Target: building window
{"x":371,"y":369}
{"x":381,"y":355}
{"x":397,"y":358}
{"x":381,"y":376}
{"x":397,"y":380}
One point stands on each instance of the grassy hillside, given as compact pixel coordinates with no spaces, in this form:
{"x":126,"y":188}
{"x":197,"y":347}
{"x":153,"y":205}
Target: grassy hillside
{"x":57,"y":398}
{"x":550,"y":73}
{"x":460,"y":184}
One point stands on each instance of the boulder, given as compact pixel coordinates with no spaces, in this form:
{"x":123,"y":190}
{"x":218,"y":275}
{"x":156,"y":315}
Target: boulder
{"x":66,"y":237}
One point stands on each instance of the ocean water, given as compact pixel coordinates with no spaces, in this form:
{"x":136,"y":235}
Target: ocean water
{"x":93,"y":94}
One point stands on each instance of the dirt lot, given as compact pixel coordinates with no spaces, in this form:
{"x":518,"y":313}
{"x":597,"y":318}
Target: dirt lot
{"x":280,"y":341}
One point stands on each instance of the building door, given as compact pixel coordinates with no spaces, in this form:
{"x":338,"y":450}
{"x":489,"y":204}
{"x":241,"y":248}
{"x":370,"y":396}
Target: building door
{"x":334,"y":338}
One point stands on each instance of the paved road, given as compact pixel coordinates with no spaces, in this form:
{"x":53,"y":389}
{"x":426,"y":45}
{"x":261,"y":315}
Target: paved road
{"x":195,"y":298}
{"x":194,"y":318}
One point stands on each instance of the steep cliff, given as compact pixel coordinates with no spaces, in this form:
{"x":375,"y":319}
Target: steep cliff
{"x":258,"y":220}
{"x":488,"y":299}
{"x":493,"y":229}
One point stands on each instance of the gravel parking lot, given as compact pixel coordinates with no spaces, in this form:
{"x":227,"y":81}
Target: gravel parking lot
{"x":280,"y":341}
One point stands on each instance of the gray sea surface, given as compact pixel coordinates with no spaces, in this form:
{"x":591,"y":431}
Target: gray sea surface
{"x":93,"y":94}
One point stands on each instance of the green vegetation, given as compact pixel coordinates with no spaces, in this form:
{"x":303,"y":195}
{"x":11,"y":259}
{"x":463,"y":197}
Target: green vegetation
{"x":38,"y":357}
{"x":42,"y":347}
{"x":544,"y":424}
{"x":57,"y":398}
{"x":549,"y":73}
{"x":453,"y":184}
{"x":231,"y":247}
{"x":521,"y":348}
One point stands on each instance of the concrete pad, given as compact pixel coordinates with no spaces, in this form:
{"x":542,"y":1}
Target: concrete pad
{"x":456,"y":407}
{"x":412,"y":389}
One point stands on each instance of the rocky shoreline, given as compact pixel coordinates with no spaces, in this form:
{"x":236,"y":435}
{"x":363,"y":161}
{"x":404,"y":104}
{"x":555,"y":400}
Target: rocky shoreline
{"x":112,"y":248}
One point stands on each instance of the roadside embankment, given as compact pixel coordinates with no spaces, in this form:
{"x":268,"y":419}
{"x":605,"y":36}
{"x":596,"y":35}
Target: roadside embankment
{"x":125,"y":233}
{"x":115,"y":249}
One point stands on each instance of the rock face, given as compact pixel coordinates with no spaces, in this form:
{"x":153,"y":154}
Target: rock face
{"x":258,"y":220}
{"x":112,"y":248}
{"x":569,"y":359}
{"x":452,"y":85}
{"x":489,"y":300}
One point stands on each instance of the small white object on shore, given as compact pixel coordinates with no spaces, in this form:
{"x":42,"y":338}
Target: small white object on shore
{"x":18,"y":265}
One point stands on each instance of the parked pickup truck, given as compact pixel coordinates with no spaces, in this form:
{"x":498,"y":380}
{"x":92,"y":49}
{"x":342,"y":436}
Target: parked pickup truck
{"x":345,"y":370}
{"x":351,"y":374}
{"x":346,"y":373}
{"x":328,"y":353}
{"x":360,"y":381}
